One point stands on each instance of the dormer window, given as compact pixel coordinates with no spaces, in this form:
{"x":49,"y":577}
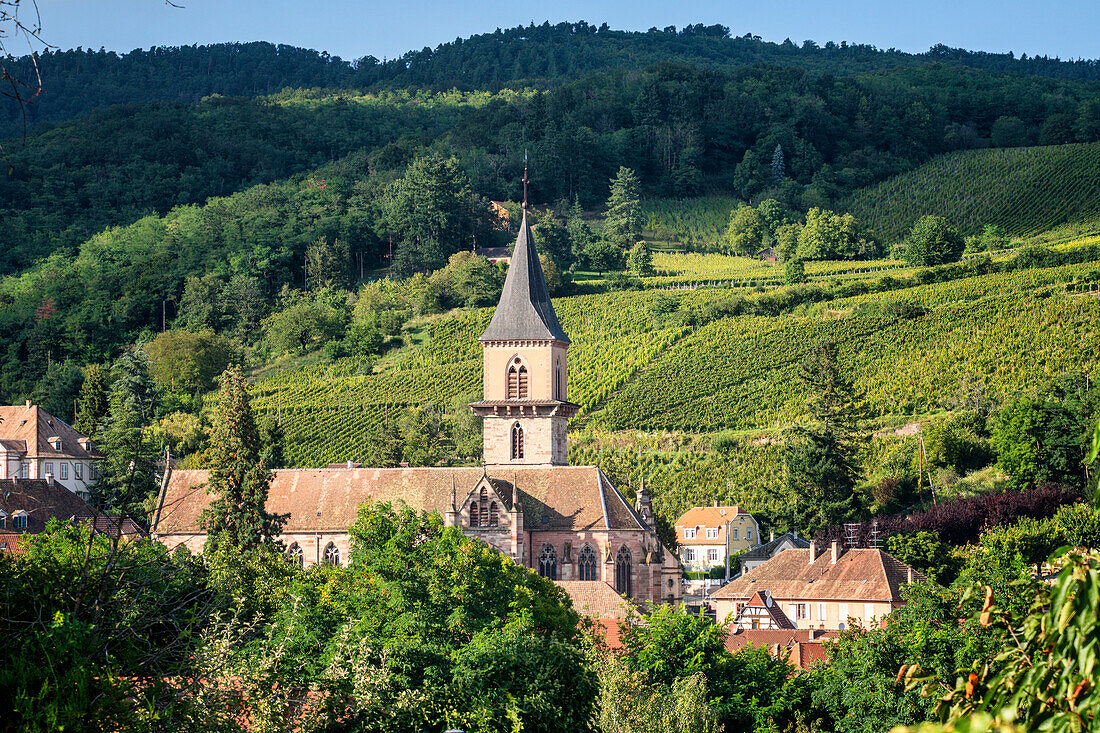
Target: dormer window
{"x":3,"y":519}
{"x":712,"y":533}
{"x":55,"y":443}
{"x":689,"y":533}
{"x":19,"y":519}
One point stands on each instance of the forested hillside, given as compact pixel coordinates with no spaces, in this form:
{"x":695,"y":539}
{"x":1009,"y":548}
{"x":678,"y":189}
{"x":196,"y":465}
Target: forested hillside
{"x":82,"y":80}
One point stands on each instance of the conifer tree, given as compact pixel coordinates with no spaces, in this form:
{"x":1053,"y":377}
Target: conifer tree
{"x":240,"y":475}
{"x":128,"y":479}
{"x":820,"y":458}
{"x":779,"y":165}
{"x":624,"y":211}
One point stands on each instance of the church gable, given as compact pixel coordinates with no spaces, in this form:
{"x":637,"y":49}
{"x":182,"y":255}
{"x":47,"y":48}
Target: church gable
{"x":487,"y":506}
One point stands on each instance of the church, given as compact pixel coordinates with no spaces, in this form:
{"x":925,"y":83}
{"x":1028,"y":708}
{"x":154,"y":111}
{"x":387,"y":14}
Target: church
{"x":569,"y":523}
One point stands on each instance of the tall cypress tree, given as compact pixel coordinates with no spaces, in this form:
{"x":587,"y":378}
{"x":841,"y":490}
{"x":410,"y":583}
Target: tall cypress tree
{"x":240,"y":475}
{"x":94,"y":400}
{"x":624,"y":211}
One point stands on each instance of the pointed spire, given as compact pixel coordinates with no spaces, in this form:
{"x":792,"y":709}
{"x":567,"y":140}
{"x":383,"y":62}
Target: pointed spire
{"x":524,"y":312}
{"x":454,"y":493}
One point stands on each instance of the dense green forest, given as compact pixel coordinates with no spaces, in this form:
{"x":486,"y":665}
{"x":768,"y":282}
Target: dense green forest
{"x":81,"y":80}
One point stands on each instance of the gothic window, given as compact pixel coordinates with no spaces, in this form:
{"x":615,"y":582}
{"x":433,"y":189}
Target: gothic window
{"x":548,"y":563}
{"x":332,"y":554}
{"x":494,"y":515}
{"x":522,"y":382}
{"x":559,"y":392}
{"x":483,"y":500}
{"x":517,"y":442}
{"x":294,"y":553}
{"x":587,"y":562}
{"x":623,"y":563}
{"x":475,"y":518}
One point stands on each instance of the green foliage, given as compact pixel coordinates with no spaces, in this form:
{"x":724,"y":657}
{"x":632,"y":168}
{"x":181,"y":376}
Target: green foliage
{"x":306,"y":321}
{"x":240,"y":475}
{"x":128,"y":477}
{"x":925,"y":552}
{"x":467,"y":281}
{"x":745,"y":233}
{"x":640,"y":260}
{"x":830,"y":236}
{"x":603,"y":255}
{"x":327,"y":263}
{"x":624,"y":215}
{"x":794,"y":272}
{"x":932,"y":241}
{"x":1043,"y":678}
{"x":93,"y":401}
{"x":188,"y":362}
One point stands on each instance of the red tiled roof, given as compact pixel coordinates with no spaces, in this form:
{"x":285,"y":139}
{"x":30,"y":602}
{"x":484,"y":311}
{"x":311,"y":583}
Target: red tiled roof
{"x":42,"y":502}
{"x":557,"y":497}
{"x":10,"y":543}
{"x":34,"y":427}
{"x":803,"y":650}
{"x":596,"y":599}
{"x":858,"y":575}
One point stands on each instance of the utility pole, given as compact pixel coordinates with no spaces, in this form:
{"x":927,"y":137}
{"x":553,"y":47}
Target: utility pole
{"x":163,"y":315}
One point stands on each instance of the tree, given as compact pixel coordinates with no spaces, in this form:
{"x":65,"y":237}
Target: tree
{"x":827,"y":235}
{"x":552,"y":238}
{"x":932,"y":241}
{"x":327,"y":263}
{"x":795,"y":272}
{"x":306,"y":321}
{"x":786,"y":240}
{"x":1008,"y":132}
{"x":57,"y":390}
{"x":240,"y":476}
{"x":820,"y":459}
{"x":624,"y":219}
{"x":774,"y":214}
{"x":745,"y":232}
{"x":925,"y":552}
{"x":188,"y":362}
{"x":128,"y":480}
{"x":779,"y":168}
{"x":640,"y":260}
{"x":93,"y":402}
{"x":603,"y":255}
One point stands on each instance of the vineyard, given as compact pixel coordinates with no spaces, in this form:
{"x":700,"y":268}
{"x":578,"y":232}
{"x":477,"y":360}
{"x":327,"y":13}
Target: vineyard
{"x":1024,"y":190}
{"x":695,"y":221}
{"x":634,"y":364}
{"x":683,"y":267}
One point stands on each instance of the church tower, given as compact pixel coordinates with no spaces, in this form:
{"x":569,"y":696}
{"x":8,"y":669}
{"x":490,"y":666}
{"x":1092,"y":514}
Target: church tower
{"x":525,"y":403}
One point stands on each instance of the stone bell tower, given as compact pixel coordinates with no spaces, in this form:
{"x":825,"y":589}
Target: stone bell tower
{"x":525,"y":404}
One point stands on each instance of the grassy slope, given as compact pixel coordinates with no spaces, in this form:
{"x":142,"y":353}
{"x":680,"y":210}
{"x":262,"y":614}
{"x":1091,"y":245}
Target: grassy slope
{"x":1024,"y":190}
{"x":632,"y":370}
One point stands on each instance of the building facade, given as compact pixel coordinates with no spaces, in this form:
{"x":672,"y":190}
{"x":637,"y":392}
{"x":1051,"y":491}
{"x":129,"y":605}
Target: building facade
{"x":707,"y":536}
{"x":36,"y":445}
{"x":569,"y":523}
{"x":821,"y":590}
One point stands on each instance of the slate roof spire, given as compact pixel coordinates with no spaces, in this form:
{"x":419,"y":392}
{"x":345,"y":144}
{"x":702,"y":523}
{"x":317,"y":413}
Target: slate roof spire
{"x":524,"y":312}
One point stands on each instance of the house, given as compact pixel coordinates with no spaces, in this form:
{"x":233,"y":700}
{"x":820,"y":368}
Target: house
{"x":760,"y":612}
{"x":801,"y":647}
{"x":27,"y":506}
{"x":495,"y":254}
{"x":36,"y":445}
{"x":762,"y":553}
{"x":707,"y":536}
{"x":569,"y":523}
{"x":768,"y":254}
{"x":827,"y":590}
{"x":502,"y":218}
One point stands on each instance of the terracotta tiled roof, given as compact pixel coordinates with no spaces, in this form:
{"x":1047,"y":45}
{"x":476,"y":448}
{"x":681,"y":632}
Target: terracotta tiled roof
{"x":557,"y":497}
{"x":806,"y":653}
{"x":596,"y":599}
{"x":707,"y":516}
{"x":10,"y":543}
{"x":736,"y":639}
{"x":858,"y":575}
{"x":42,"y":502}
{"x":34,"y":426}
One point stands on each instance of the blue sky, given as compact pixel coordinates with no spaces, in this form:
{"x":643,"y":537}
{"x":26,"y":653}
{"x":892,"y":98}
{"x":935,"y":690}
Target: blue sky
{"x":353,"y":29}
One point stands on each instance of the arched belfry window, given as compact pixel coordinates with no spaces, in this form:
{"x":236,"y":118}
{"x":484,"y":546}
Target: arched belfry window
{"x":548,"y":563}
{"x":559,"y":382}
{"x":517,"y":380}
{"x":623,"y":563}
{"x":517,"y":442}
{"x":332,"y":554}
{"x":483,"y":501}
{"x":587,"y":563}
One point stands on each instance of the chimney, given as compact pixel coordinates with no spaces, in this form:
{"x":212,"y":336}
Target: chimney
{"x":836,"y":551}
{"x":350,"y":465}
{"x":28,"y":404}
{"x":813,"y":551}
{"x":49,"y":479}
{"x":909,"y":575}
{"x":773,"y":537}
